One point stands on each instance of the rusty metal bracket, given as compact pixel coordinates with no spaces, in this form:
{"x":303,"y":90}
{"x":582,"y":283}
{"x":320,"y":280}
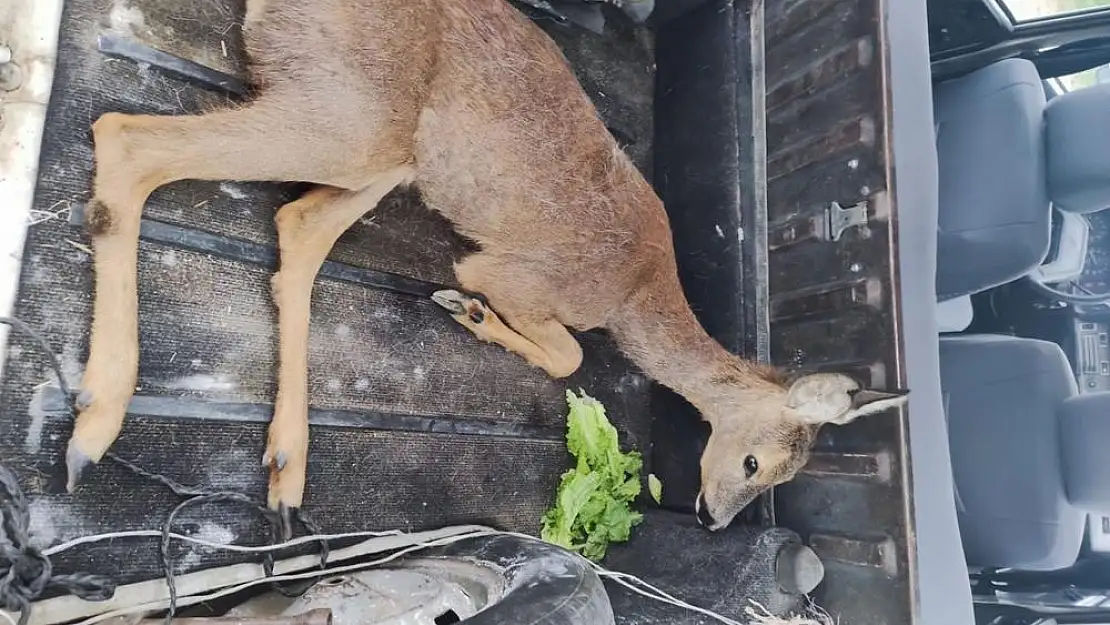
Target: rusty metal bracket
{"x":836,"y":219}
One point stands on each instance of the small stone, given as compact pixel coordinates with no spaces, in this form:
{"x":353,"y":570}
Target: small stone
{"x":798,"y":570}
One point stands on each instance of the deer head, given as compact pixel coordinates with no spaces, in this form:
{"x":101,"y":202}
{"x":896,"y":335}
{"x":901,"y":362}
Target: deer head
{"x":762,"y":435}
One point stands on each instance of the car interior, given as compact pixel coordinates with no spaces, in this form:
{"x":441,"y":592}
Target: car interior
{"x":1010,"y":368}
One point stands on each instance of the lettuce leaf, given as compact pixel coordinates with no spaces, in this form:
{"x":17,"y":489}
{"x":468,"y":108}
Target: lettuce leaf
{"x":655,"y":487}
{"x":592,"y":506}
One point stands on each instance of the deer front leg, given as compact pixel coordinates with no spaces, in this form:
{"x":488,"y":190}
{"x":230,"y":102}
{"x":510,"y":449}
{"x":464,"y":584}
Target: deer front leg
{"x":307,"y":230}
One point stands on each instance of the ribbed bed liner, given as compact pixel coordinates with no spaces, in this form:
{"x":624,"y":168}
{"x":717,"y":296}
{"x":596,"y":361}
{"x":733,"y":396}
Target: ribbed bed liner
{"x":414,"y":418}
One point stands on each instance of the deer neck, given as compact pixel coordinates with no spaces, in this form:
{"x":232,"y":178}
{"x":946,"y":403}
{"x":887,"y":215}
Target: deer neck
{"x":659,"y":332}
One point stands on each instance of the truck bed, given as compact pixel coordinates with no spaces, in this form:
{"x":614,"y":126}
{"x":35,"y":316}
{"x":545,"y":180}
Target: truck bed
{"x":749,"y":122}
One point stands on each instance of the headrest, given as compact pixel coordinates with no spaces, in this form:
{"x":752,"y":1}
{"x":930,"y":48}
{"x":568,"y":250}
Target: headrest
{"x":1077,"y":145}
{"x":1084,"y":437}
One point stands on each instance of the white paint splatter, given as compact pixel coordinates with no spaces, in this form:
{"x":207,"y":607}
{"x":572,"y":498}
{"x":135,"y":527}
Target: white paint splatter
{"x":333,"y":385}
{"x":342,"y":331}
{"x":186,"y":562}
{"x":73,"y":367}
{"x":233,"y":191}
{"x":720,"y":233}
{"x":209,"y":532}
{"x":145,"y":72}
{"x":418,"y":372}
{"x":362,"y":384}
{"x":53,"y":522}
{"x":629,"y":382}
{"x":72,"y":370}
{"x":214,"y":534}
{"x":202,"y":383}
{"x":385,"y":314}
{"x":32,"y":443}
{"x":126,"y":19}
{"x":169,"y":258}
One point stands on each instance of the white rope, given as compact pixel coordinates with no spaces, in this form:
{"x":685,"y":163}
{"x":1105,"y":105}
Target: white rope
{"x":194,"y":599}
{"x":662,"y":597}
{"x":204,"y":543}
{"x":761,"y":616}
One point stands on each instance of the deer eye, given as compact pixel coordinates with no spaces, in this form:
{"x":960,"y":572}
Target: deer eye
{"x":750,"y":466}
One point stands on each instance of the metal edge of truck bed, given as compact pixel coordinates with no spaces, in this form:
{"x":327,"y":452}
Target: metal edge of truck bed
{"x":854,"y":501}
{"x":29,"y":29}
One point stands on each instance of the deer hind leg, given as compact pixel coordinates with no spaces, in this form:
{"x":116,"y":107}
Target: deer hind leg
{"x":307,"y":230}
{"x":545,"y":343}
{"x":541,"y":340}
{"x":136,"y":154}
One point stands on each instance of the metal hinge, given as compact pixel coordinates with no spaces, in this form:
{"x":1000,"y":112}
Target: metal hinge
{"x":839,"y":218}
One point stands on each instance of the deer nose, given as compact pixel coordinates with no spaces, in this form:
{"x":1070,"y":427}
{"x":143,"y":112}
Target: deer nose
{"x":702,"y":509}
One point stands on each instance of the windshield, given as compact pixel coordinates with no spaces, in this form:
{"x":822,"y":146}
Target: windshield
{"x":1030,"y":10}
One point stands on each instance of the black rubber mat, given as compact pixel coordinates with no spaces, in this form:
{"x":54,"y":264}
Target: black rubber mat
{"x":416,"y":423}
{"x":726,"y":573}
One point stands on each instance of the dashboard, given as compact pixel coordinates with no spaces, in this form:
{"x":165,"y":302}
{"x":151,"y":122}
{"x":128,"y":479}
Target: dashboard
{"x":1092,"y":344}
{"x":1092,"y":356}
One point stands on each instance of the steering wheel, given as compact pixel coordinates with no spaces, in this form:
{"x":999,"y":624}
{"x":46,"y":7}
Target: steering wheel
{"x":1065,"y":291}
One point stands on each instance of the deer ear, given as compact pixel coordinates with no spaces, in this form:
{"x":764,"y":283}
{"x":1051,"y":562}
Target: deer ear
{"x":869,"y":401}
{"x":836,"y":398}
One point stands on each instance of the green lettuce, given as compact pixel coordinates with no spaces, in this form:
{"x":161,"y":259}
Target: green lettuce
{"x":655,"y":487}
{"x":592,"y":506}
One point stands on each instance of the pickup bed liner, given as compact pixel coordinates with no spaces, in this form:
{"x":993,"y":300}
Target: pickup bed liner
{"x":413,"y":416}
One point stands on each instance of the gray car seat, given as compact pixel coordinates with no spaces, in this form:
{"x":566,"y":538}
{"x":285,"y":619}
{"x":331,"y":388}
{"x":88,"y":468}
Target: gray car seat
{"x":995,"y":214}
{"x":1077,"y":144}
{"x":1004,"y":153}
{"x":1028,"y":451}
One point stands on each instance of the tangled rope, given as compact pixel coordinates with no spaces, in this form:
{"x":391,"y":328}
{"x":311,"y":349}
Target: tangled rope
{"x":195,"y":497}
{"x":25,"y":572}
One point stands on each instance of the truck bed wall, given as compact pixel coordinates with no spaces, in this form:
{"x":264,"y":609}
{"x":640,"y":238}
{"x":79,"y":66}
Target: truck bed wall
{"x":762,"y":117}
{"x":765,"y":115}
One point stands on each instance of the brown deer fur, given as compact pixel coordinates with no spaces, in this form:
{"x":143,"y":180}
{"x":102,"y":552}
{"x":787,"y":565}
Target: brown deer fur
{"x":474,"y":104}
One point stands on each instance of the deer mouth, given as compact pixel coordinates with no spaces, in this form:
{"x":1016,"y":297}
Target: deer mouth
{"x":705,"y":519}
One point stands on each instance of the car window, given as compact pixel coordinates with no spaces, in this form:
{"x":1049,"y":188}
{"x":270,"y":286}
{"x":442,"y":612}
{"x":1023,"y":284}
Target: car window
{"x":1031,"y":10}
{"x":1086,"y":78}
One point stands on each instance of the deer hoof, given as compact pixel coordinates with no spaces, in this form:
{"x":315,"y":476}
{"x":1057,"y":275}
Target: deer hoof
{"x":450,"y":300}
{"x":461,"y":304}
{"x":77,"y":462}
{"x":287,"y":462}
{"x":285,"y":522}
{"x":84,"y":400}
{"x":276,"y":461}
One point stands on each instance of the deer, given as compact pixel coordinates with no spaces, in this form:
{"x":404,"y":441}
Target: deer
{"x":475,"y":106}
